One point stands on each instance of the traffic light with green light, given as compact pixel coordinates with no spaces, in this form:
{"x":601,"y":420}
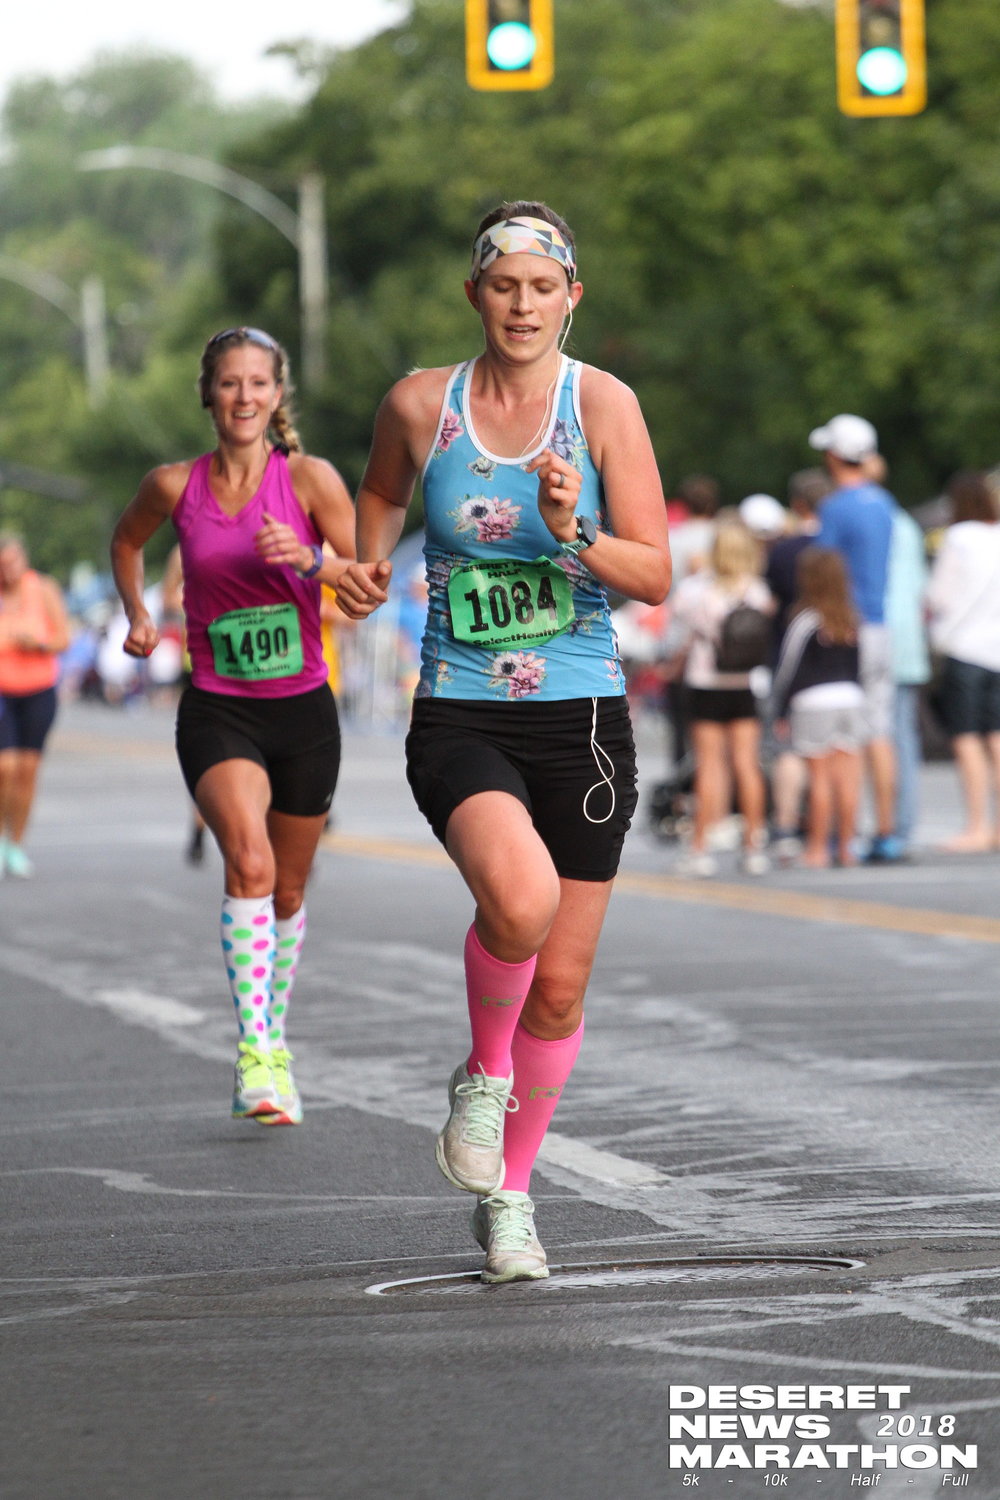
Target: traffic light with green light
{"x":881,"y":57}
{"x":509,"y":44}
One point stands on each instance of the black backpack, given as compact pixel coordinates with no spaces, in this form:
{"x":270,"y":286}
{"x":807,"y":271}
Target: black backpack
{"x":744,"y":640}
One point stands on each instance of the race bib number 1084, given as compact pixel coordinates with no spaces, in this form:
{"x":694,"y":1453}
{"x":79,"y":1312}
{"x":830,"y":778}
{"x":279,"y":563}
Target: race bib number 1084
{"x":497,"y":604}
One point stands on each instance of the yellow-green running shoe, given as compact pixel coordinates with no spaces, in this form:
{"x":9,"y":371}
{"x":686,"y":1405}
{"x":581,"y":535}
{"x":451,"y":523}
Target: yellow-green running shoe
{"x":289,"y":1111}
{"x":254,"y":1089}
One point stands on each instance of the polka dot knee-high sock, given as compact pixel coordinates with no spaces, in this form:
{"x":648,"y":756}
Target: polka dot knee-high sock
{"x":290,"y":933}
{"x":247,"y":933}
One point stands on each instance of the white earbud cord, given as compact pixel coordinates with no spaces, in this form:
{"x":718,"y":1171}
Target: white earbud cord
{"x":566,"y":328}
{"x":600,"y":755}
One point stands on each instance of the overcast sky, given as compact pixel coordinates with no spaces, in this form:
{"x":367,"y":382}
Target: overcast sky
{"x":55,"y":39}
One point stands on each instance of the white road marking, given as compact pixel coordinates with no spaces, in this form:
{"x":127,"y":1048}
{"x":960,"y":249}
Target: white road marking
{"x":376,"y":1091}
{"x":157,"y":1011}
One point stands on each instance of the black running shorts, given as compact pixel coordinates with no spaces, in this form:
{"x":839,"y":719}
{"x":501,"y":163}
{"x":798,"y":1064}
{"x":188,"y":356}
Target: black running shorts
{"x":571,"y":764}
{"x":26,"y":718}
{"x":296,"y":740}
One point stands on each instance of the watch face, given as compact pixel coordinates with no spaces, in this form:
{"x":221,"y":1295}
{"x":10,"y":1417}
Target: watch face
{"x":586,"y":531}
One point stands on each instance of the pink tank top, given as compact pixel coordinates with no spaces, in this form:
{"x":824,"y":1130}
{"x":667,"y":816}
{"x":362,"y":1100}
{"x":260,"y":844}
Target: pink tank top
{"x":253,"y":629}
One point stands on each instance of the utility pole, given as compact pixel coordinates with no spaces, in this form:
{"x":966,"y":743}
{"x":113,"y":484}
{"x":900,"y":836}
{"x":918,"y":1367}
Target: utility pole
{"x":306,"y":230}
{"x":85,"y":309}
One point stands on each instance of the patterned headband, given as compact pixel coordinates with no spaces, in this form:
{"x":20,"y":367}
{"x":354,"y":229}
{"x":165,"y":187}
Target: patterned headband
{"x":522,"y":236}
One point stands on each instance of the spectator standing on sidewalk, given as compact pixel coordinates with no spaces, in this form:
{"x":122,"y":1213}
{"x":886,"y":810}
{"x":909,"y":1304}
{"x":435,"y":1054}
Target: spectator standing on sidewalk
{"x":806,"y":489}
{"x":725,"y":726}
{"x":963,"y":598}
{"x":911,"y":666}
{"x":856,"y":519}
{"x":816,"y":687}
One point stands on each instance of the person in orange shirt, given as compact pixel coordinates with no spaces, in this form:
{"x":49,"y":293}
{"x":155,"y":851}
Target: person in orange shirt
{"x":34,"y":631}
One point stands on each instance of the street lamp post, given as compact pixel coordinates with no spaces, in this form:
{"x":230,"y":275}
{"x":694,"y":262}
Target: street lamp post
{"x":306,"y":230}
{"x":86,"y":310}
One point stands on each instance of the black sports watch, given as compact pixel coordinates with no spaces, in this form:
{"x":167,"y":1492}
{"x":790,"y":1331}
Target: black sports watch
{"x":586,"y":536}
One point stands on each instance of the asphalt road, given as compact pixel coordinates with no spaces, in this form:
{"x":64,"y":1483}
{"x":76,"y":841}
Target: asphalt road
{"x":771,"y":1196}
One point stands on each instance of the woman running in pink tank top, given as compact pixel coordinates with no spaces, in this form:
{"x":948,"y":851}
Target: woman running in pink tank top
{"x":257,"y":731}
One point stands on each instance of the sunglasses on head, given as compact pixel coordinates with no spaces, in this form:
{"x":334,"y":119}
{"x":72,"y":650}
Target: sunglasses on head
{"x":251,"y":335}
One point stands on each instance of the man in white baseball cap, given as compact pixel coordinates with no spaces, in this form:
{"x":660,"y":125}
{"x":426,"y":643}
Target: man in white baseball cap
{"x":856,"y":519}
{"x":846,"y":437}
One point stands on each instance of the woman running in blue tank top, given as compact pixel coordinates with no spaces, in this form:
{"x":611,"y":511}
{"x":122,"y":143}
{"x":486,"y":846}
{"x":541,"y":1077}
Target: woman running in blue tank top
{"x":541,"y":494}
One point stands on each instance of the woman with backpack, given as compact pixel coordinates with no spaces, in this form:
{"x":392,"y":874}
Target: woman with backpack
{"x":726,"y":611}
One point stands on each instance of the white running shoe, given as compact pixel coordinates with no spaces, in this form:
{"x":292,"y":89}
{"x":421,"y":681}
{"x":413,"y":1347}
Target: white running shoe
{"x":504,"y":1225}
{"x":754,"y":862}
{"x":17,"y":862}
{"x":469,"y":1149}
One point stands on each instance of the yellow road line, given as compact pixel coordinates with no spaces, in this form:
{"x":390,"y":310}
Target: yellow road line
{"x":763,"y":900}
{"x":769,"y":901}
{"x":398,"y":849}
{"x":78,"y":742}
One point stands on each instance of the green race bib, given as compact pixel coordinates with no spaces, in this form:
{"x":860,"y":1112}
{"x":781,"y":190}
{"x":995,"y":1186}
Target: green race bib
{"x":504,"y":603}
{"x":256,"y":645}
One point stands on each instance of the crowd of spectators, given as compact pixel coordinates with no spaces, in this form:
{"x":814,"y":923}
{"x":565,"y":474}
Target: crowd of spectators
{"x":873,"y":639}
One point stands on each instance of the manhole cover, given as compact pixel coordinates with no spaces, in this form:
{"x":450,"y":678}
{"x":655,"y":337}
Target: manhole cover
{"x":630,"y":1273}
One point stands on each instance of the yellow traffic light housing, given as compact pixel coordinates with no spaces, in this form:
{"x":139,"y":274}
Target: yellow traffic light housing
{"x":881,"y":57}
{"x":509,"y":44}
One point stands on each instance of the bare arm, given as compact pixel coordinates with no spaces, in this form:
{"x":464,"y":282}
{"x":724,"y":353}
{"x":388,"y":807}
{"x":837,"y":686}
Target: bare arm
{"x":52,"y":638}
{"x":324,"y":496}
{"x":55,"y":611}
{"x":403,"y":430}
{"x":152,"y":504}
{"x":635,"y":560}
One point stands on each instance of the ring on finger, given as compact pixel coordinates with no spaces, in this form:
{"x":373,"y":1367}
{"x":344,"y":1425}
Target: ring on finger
{"x":557,"y":479}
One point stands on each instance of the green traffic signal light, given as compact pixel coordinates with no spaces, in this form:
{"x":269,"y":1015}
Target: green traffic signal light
{"x":881,"y":57}
{"x":509,"y":43}
{"x":882,"y":70}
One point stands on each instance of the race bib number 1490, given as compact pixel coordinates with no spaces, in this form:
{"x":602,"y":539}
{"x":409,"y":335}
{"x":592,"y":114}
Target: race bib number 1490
{"x":256,"y":645}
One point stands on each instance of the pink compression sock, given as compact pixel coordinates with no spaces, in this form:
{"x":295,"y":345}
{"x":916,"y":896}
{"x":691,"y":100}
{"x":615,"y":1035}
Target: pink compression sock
{"x":540,"y":1070}
{"x":496,"y":992}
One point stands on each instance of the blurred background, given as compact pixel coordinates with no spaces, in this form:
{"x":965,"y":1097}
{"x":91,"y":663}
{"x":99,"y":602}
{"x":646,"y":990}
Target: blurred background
{"x":753,"y":259}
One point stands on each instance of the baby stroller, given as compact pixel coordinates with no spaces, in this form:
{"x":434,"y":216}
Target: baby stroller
{"x":670,"y":807}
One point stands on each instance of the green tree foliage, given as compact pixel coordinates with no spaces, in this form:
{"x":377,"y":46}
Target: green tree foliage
{"x":753,"y":261}
{"x":148,"y":237}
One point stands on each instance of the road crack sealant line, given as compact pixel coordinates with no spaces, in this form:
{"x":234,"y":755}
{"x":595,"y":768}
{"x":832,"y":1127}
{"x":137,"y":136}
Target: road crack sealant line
{"x":594,"y":1275}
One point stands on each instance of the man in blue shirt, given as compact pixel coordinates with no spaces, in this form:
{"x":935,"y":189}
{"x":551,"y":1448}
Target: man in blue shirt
{"x":856,"y":519}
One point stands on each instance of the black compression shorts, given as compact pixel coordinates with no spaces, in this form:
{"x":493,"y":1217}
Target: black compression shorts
{"x":576,"y":777}
{"x":296,"y":740}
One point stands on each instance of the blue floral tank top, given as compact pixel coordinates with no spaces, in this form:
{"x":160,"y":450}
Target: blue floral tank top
{"x":481,"y":507}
